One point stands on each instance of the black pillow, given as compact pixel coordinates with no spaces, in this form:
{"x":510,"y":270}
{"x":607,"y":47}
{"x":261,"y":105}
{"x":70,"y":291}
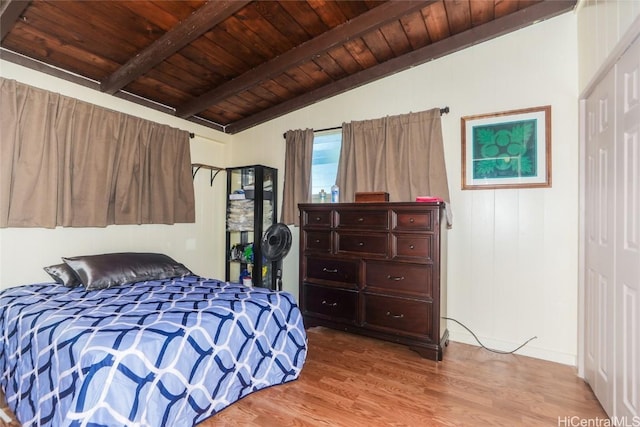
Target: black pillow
{"x":63,"y":274}
{"x":107,"y":270}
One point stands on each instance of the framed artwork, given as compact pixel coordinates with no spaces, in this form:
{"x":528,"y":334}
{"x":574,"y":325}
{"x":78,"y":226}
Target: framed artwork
{"x":511,"y":149}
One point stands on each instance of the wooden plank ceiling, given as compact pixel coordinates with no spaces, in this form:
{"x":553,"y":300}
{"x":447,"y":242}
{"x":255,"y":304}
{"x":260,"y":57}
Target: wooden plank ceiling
{"x":231,"y":65}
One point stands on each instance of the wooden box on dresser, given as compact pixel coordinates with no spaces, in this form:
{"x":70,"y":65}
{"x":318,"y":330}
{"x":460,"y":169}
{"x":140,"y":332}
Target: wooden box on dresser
{"x":377,"y":269}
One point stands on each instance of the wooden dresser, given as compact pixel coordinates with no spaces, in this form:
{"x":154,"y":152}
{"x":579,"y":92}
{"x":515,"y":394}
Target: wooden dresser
{"x":377,"y":269}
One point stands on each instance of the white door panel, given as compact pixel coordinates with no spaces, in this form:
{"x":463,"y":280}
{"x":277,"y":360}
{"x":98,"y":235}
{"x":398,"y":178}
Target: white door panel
{"x":612,"y":238}
{"x":627,"y":251}
{"x":599,"y":219}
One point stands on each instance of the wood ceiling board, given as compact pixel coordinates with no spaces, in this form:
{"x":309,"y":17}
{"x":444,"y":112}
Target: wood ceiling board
{"x":256,"y":59}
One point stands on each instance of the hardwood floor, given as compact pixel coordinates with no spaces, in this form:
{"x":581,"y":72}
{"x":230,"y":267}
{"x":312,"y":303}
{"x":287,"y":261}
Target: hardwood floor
{"x":349,"y":380}
{"x":7,"y":411}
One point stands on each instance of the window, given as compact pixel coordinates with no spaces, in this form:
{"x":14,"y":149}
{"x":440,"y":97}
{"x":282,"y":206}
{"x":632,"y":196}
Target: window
{"x":324,"y":163}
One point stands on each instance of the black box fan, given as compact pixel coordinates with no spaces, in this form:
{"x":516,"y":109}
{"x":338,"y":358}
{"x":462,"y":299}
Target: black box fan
{"x":275,"y":245}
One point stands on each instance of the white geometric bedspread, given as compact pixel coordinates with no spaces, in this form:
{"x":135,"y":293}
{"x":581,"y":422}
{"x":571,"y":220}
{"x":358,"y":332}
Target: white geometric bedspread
{"x":157,"y":353}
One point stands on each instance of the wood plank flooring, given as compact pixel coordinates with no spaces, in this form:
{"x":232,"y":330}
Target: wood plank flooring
{"x":349,"y":380}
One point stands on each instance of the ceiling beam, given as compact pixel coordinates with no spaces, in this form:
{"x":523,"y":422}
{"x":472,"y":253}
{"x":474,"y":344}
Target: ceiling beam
{"x":522,"y":18}
{"x":7,"y":55}
{"x":374,"y":18}
{"x":9,"y":13}
{"x":199,"y":22}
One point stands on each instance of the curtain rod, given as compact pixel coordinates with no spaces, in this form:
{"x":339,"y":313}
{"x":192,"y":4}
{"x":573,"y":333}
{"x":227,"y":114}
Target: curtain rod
{"x":443,"y":110}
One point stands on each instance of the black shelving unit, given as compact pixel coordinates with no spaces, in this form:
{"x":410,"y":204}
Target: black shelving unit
{"x":251,"y":209}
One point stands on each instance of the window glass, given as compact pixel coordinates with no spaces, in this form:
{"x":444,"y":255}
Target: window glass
{"x":324,"y":163}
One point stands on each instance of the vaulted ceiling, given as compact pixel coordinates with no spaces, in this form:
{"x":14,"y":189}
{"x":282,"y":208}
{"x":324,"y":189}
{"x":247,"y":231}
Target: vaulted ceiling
{"x":231,"y":65}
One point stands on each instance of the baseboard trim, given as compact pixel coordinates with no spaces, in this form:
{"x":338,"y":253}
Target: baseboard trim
{"x":530,"y":350}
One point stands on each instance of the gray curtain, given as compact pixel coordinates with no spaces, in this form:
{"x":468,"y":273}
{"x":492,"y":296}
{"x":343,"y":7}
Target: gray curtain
{"x":402,"y":155}
{"x":65,"y":162}
{"x":297,"y":174}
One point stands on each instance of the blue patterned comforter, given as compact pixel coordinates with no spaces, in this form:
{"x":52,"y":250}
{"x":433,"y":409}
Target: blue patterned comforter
{"x":157,"y":353}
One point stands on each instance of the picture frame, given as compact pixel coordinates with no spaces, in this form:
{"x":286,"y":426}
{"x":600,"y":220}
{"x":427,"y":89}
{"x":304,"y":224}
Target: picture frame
{"x":509,"y":149}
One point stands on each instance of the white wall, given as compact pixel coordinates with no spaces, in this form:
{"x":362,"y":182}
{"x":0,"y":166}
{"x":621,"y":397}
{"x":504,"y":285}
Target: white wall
{"x":512,"y":253}
{"x":601,"y":26}
{"x":200,"y":246}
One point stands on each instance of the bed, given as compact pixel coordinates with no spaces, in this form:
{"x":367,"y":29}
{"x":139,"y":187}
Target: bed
{"x":171,"y":351}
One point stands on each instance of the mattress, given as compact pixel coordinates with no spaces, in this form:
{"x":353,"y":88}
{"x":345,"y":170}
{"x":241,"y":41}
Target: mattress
{"x":157,"y":353}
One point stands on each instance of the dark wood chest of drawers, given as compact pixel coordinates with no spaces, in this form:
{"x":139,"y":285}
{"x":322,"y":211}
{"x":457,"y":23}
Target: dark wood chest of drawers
{"x":377,"y":269}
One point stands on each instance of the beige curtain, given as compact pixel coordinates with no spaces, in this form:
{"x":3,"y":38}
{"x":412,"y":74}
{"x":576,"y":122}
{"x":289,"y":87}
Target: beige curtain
{"x":402,"y":155}
{"x":297,"y":174}
{"x":65,"y":162}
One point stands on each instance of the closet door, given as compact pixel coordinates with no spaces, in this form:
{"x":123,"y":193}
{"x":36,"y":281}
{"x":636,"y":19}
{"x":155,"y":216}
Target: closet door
{"x":627,"y":251}
{"x":599,"y":251}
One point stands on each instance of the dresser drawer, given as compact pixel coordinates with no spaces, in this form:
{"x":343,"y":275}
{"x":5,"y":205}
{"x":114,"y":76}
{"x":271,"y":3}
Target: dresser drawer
{"x":414,"y":247}
{"x":342,"y":272}
{"x":375,"y":269}
{"x":317,"y":241}
{"x":362,"y":243}
{"x":415,"y":220}
{"x":371,"y":219}
{"x":316,"y":218}
{"x":398,"y":315}
{"x":399,"y":278}
{"x":330,"y":303}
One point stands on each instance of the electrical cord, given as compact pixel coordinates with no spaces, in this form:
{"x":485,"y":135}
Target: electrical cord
{"x":487,"y":348}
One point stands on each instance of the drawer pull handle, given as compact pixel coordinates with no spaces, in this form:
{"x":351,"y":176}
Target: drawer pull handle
{"x":318,"y":241}
{"x":411,"y":247}
{"x":361,"y":244}
{"x":395,"y":316}
{"x":411,"y":220}
{"x":360,"y":219}
{"x":396,"y":278}
{"x":317,"y":218}
{"x":332,"y":304}
{"x":333,"y":270}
